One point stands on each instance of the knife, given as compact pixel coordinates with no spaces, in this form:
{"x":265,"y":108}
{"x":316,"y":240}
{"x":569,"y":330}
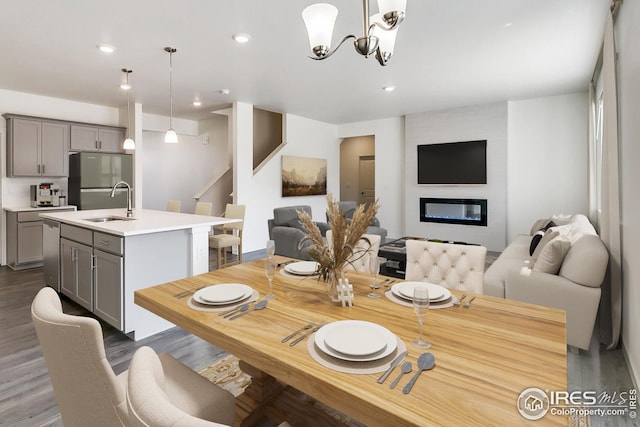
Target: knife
{"x":394,"y":363}
{"x":300,"y":338}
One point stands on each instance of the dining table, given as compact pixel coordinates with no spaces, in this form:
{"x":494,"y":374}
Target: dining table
{"x":486,"y":354}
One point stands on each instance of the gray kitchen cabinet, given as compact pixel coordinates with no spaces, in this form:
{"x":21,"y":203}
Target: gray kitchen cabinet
{"x":97,"y":138}
{"x":108,"y":285}
{"x":92,"y":271}
{"x":36,"y":147}
{"x":76,"y":272}
{"x":24,"y":238}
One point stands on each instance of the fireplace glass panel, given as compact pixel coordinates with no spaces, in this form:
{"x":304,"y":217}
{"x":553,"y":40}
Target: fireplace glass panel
{"x":454,"y":211}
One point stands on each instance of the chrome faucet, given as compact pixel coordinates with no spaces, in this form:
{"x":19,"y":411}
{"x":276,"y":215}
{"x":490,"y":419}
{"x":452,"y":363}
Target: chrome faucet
{"x":113,"y":194}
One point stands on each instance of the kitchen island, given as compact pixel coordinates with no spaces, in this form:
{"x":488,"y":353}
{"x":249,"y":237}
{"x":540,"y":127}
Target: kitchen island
{"x":105,"y":256}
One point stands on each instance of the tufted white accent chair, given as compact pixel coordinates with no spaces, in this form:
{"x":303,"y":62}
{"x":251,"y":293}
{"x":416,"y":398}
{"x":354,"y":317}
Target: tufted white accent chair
{"x":365,"y":263}
{"x":446,"y":264}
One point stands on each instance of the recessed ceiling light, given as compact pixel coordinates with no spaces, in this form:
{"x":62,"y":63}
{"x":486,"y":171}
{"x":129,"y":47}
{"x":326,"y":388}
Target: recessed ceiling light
{"x":225,"y":91}
{"x":241,"y":37}
{"x":389,"y":88}
{"x":106,"y":48}
{"x":197,"y":103}
{"x":508,"y":25}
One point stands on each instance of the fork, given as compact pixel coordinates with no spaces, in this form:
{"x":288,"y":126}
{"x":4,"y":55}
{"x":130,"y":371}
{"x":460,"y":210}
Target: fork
{"x":468,"y":303}
{"x":188,"y":292}
{"x":458,"y":301}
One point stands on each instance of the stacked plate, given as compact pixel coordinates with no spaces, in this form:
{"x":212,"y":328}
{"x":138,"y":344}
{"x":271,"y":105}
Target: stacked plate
{"x":437,"y":293}
{"x":223,"y":294}
{"x":355,"y":341}
{"x":302,"y":268}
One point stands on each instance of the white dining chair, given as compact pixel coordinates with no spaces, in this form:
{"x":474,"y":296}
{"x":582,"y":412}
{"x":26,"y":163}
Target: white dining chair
{"x":87,"y":390}
{"x":365,"y":253}
{"x":450,"y":265}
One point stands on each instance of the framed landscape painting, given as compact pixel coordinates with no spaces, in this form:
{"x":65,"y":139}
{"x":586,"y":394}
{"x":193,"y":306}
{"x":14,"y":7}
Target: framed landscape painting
{"x":303,"y":176}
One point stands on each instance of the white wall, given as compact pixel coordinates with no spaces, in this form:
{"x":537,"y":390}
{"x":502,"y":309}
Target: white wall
{"x":15,"y":191}
{"x":263,"y":192}
{"x":627,"y":35}
{"x":461,"y":124}
{"x":546,"y":159}
{"x":389,"y":149}
{"x":179,"y":171}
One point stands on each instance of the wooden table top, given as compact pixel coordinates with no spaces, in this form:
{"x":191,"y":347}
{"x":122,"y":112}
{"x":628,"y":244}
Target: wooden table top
{"x":485,"y":355}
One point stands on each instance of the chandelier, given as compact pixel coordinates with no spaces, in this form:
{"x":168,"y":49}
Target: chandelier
{"x":379,"y":30}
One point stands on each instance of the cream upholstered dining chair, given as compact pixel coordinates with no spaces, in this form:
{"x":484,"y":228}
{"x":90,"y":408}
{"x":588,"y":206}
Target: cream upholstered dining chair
{"x":87,"y":390}
{"x":148,"y":398}
{"x":173,"y":205}
{"x":447,"y":264}
{"x":203,"y":208}
{"x":228,"y":237}
{"x":364,"y":255}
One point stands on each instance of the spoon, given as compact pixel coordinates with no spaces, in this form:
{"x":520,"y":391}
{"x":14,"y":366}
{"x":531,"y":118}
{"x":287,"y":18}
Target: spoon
{"x":259,"y":306}
{"x":425,"y":361}
{"x":243,"y":307}
{"x":406,"y":368}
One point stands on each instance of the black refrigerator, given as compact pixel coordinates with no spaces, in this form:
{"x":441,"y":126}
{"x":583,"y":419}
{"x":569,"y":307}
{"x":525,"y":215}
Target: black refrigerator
{"x":92,"y":175}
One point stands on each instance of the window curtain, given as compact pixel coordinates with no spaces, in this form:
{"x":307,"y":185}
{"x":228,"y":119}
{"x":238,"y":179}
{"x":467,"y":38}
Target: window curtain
{"x":609,"y":220}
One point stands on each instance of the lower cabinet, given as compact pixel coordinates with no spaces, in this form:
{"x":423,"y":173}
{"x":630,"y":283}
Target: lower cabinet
{"x":93,"y":277}
{"x":77,"y":272}
{"x":108,"y":287}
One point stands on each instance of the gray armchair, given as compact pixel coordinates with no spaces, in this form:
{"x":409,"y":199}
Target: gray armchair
{"x":349,"y":207}
{"x":286,"y":230}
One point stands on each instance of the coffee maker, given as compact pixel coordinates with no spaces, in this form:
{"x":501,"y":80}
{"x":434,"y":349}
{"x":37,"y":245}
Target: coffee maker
{"x":45,"y":194}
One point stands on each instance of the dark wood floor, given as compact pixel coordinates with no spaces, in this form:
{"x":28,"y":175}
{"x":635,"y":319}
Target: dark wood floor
{"x":26,"y":395}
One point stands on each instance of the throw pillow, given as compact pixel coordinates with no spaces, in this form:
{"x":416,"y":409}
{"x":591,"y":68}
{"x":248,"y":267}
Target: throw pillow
{"x":549,"y":235}
{"x":552,"y":255}
{"x":538,"y":236}
{"x":538,"y":225}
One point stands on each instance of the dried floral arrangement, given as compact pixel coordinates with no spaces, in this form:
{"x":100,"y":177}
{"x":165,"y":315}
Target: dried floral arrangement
{"x":345,"y":236}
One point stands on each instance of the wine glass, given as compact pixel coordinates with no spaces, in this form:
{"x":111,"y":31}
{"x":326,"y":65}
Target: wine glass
{"x":269,"y":269}
{"x":375,"y":270}
{"x":271,"y":248}
{"x":421,"y":307}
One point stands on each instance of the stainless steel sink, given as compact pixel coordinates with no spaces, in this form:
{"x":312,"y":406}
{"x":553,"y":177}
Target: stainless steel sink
{"x":109,"y":218}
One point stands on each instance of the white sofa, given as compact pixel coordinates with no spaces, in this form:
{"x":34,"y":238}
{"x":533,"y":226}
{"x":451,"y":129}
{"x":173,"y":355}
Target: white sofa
{"x":581,"y":261}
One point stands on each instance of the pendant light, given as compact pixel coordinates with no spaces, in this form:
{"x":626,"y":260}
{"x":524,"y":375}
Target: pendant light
{"x":171,"y":136}
{"x":128,"y":144}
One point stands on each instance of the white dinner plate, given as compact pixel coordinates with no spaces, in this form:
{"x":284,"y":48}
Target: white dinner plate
{"x":391,"y":342}
{"x":404,"y":290}
{"x":226,"y":293}
{"x":356,"y":339}
{"x":302,"y":268}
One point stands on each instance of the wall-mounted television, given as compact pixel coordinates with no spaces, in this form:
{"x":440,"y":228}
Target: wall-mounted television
{"x":453,"y":163}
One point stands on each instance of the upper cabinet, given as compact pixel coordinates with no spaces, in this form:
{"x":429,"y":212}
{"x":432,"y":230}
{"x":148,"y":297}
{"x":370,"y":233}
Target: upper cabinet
{"x":97,"y":138}
{"x":37,"y":147}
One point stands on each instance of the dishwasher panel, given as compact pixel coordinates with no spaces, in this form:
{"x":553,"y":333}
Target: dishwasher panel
{"x":51,"y":253}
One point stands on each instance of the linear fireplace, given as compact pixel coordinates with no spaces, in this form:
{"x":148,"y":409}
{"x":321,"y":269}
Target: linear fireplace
{"x":454,"y":211}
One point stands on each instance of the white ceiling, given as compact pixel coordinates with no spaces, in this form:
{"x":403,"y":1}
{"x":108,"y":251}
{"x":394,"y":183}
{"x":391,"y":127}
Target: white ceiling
{"x":448,"y":53}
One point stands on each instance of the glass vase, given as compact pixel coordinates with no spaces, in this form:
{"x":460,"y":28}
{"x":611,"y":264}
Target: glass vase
{"x":332,"y":281}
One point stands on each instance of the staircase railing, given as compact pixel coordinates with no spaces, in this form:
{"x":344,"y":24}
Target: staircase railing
{"x":210,"y":184}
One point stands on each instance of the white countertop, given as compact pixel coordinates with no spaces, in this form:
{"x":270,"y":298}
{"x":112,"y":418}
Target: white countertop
{"x":31,"y":209}
{"x":146,"y":221}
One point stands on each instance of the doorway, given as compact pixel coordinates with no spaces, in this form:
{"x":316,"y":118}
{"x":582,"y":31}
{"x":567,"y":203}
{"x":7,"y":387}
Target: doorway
{"x":357,"y":169}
